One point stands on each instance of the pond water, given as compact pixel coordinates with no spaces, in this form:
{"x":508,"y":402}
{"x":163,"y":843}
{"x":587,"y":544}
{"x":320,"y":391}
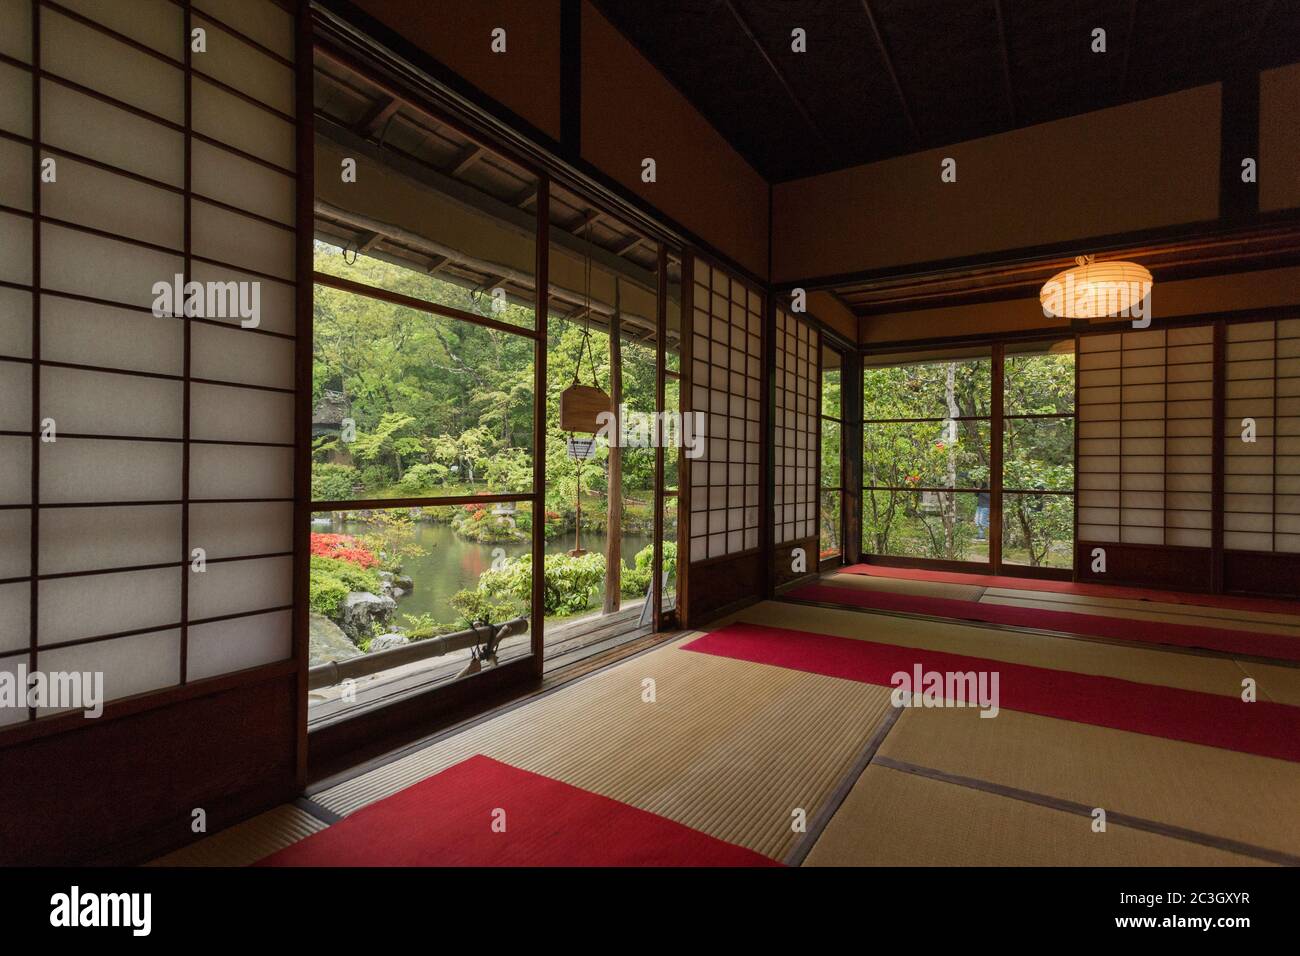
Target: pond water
{"x":450,"y":563}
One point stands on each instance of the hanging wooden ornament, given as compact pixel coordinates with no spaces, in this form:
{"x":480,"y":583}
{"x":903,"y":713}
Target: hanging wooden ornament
{"x":580,"y":408}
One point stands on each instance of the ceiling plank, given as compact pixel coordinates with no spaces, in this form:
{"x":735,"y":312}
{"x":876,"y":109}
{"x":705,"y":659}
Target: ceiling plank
{"x":893,"y":74}
{"x":590,"y":218}
{"x":785,"y":84}
{"x":629,"y":245}
{"x":1261,"y":21}
{"x":378,"y":115}
{"x":1129,"y":40}
{"x":468,"y":159}
{"x":1006,"y":62}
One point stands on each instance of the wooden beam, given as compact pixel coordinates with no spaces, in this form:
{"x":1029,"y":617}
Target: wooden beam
{"x":468,"y":196}
{"x":377,"y":116}
{"x":370,"y":242}
{"x":614,"y":495}
{"x":591,"y":217}
{"x":660,"y":502}
{"x":468,"y":159}
{"x":629,"y":245}
{"x":889,"y":66}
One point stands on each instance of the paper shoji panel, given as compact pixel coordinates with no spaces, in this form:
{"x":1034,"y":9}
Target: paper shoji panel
{"x":171,"y":433}
{"x":726,"y":383}
{"x":1145,"y":410}
{"x":1261,"y":501}
{"x":798,"y":411}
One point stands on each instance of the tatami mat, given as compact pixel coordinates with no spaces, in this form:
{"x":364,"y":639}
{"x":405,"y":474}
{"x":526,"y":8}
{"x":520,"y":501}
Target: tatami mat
{"x":1085,"y":604}
{"x":892,"y":818}
{"x":730,"y":748}
{"x":1273,"y":681}
{"x":247,"y":842}
{"x":1213,"y":675}
{"x":734,"y":749}
{"x":1223,"y":793}
{"x":932,"y":589}
{"x":1159,"y":613}
{"x":1262,"y":622}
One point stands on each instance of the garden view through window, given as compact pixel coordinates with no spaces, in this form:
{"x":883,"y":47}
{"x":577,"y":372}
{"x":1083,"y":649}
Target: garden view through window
{"x":831,"y":517}
{"x":426,"y":405}
{"x":932,"y":485}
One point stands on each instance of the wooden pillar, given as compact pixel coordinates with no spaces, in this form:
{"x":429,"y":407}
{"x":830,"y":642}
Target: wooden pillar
{"x":658,"y":501}
{"x":541,"y":308}
{"x":685,"y":401}
{"x":614,"y":516}
{"x":996,"y":423}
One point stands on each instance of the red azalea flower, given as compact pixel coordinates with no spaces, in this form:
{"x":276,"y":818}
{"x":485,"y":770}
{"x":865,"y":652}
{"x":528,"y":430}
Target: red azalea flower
{"x":342,"y":547}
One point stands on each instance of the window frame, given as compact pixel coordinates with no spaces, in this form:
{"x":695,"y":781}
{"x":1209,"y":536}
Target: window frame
{"x":996,"y":353}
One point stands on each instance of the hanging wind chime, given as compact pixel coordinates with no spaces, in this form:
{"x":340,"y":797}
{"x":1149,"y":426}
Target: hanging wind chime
{"x":581,"y":405}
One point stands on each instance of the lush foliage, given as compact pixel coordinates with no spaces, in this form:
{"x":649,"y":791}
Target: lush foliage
{"x":478,"y":607}
{"x":333,"y":482}
{"x":421,"y":389}
{"x":569,"y":582}
{"x":443,"y":407}
{"x":636,"y":579}
{"x":928,"y":431}
{"x":1038,"y":455}
{"x":417,"y":405}
{"x":331,"y":579}
{"x":481,"y":522}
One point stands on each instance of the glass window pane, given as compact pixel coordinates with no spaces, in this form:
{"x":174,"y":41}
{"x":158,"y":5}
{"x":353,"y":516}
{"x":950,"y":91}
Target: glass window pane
{"x":1038,"y":530}
{"x":957,"y":387}
{"x":406,"y":578}
{"x":926,"y":454}
{"x":830,"y":455}
{"x":1039,"y":380}
{"x":1038,"y":454}
{"x":831,"y":523}
{"x":946,"y":525}
{"x":832,"y":403}
{"x":669,"y":599}
{"x":408,"y":404}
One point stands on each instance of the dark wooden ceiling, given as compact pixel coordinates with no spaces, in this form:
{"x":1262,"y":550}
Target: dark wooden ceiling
{"x":884,"y":78}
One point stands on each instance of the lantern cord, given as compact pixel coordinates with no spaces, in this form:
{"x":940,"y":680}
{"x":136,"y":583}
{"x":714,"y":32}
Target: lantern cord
{"x":586,"y":320}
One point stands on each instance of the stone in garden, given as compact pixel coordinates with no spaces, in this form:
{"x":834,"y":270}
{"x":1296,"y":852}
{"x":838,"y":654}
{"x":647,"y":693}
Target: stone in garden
{"x":328,"y":642}
{"x":386,"y":641}
{"x":363,"y":612}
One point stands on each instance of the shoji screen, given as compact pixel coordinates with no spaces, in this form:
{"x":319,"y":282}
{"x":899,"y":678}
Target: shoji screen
{"x":131,"y":435}
{"x":798,"y":373}
{"x":726,"y":355}
{"x":1145,"y":409}
{"x":1261,"y":499}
